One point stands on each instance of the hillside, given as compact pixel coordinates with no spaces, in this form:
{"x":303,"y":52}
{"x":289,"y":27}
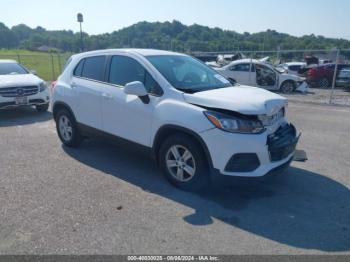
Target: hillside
{"x":168,"y":35}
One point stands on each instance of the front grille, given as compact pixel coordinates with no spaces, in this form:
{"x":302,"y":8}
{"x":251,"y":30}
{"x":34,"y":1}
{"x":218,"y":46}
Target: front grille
{"x":19,"y":91}
{"x":282,"y":143}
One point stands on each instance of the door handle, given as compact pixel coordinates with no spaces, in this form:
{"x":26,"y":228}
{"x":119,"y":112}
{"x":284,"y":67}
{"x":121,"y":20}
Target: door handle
{"x":73,"y":85}
{"x":107,"y":96}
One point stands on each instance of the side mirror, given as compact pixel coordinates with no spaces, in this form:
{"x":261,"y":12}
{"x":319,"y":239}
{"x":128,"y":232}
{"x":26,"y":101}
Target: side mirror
{"x":33,"y":72}
{"x":138,"y":89}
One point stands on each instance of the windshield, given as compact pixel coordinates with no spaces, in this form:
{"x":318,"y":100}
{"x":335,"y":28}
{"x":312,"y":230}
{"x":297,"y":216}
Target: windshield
{"x":188,"y":74}
{"x":12,"y":69}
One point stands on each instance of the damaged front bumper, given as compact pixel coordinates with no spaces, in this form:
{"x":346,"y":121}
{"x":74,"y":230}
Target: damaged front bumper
{"x":251,"y":155}
{"x":303,"y":87}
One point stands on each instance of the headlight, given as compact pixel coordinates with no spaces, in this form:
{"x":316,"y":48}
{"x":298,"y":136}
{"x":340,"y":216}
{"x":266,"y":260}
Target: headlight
{"x":42,"y":86}
{"x":234,"y":124}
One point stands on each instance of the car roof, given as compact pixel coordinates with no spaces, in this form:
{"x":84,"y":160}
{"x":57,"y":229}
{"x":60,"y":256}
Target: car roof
{"x":142,"y":52}
{"x":295,"y":63}
{"x":248,"y":61}
{"x":245,"y":60}
{"x":6,"y":61}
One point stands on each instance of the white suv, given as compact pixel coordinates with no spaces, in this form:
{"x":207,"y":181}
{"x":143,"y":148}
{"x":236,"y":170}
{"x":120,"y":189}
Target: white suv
{"x":188,"y":116}
{"x":18,"y":87}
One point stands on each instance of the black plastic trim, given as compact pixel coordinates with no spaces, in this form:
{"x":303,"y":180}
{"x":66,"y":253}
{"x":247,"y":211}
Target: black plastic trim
{"x":282,"y":143}
{"x":63,"y":104}
{"x":173,"y":128}
{"x":243,"y":163}
{"x":88,"y":131}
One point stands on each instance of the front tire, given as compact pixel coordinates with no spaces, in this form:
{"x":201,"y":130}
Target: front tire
{"x":67,"y":129}
{"x":288,"y":87}
{"x":183,"y":163}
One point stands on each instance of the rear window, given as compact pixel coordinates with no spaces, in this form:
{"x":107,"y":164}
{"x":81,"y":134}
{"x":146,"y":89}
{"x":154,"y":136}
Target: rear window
{"x":91,"y":68}
{"x":294,"y":67}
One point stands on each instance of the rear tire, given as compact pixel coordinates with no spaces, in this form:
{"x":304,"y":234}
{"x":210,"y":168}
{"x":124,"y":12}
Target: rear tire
{"x":184,"y":163}
{"x":42,"y":108}
{"x":67,"y":129}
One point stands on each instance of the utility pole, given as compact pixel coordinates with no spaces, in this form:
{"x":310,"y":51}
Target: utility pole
{"x":334,"y":76}
{"x":80,"y":21}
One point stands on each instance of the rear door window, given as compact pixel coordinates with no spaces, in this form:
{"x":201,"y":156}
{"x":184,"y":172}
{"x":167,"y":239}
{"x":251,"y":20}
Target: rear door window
{"x":243,"y":67}
{"x":94,"y":68}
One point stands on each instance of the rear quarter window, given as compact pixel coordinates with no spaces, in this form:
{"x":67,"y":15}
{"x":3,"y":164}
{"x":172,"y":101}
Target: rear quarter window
{"x":79,"y":68}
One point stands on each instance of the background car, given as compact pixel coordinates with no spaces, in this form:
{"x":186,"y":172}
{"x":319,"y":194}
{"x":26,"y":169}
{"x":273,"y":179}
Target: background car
{"x":260,"y":74}
{"x":322,"y":75}
{"x":293,"y":67}
{"x":343,"y":79}
{"x":19,"y":87}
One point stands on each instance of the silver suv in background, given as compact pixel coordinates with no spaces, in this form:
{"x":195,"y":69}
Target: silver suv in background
{"x":19,"y":87}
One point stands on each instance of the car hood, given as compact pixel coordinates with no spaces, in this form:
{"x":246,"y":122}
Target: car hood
{"x":242,"y":99}
{"x":19,"y":80}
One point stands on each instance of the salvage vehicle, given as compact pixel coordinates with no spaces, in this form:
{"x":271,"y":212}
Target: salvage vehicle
{"x":322,"y":75}
{"x":19,"y":87}
{"x":190,"y":118}
{"x":260,"y":74}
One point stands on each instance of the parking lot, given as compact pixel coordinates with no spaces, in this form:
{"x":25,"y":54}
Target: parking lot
{"x":103,"y":199}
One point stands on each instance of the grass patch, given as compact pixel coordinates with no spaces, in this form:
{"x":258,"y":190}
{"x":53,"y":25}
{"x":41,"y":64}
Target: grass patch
{"x":47,"y":65}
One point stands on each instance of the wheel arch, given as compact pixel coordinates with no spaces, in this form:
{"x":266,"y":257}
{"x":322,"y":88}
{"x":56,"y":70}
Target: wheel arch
{"x":57,"y":106}
{"x":168,"y":130}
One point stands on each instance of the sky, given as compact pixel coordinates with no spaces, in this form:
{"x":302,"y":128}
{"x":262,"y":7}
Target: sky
{"x":330,"y":18}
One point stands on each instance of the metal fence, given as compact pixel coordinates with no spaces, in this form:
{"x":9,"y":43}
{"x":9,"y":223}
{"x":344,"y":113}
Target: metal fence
{"x":327,"y":87}
{"x":48,"y":66}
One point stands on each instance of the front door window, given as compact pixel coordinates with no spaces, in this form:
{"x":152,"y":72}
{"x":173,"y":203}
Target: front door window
{"x":265,"y":76}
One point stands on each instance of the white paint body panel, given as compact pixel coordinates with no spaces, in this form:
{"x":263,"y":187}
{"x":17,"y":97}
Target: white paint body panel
{"x":108,"y":108}
{"x":242,"y":99}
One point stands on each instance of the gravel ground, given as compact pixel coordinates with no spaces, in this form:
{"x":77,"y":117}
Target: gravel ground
{"x":103,"y":199}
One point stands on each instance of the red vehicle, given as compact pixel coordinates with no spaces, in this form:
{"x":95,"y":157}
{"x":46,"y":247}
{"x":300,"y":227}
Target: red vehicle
{"x":322,"y":75}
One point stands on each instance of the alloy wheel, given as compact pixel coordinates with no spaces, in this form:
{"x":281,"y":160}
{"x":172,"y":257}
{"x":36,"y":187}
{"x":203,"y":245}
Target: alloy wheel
{"x":65,"y":128}
{"x":180,"y":163}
